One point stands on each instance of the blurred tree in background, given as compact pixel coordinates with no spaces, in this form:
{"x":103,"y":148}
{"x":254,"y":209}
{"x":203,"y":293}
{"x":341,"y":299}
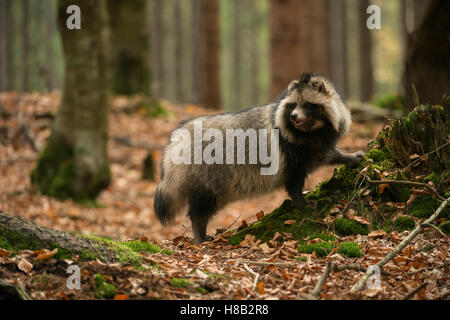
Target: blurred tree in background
{"x":74,"y":163}
{"x":130,"y":58}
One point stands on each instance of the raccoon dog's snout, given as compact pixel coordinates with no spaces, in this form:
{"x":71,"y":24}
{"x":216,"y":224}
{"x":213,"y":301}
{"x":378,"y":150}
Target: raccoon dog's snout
{"x":294,"y":116}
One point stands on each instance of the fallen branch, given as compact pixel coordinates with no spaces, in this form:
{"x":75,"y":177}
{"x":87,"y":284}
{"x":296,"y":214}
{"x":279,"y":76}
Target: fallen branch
{"x":400,"y":246}
{"x":405,"y":183}
{"x":137,"y":144}
{"x":253,"y":273}
{"x":413,"y":292}
{"x":333,"y":267}
{"x":266,"y":263}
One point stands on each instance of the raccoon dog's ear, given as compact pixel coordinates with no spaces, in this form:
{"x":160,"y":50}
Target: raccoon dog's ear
{"x":294,"y":85}
{"x":320,"y":86}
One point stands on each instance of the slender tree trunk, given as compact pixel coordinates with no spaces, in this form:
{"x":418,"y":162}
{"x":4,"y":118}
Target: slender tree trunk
{"x":129,"y":36}
{"x":338,"y":44}
{"x":237,"y":55}
{"x":49,"y":13}
{"x":9,"y":46}
{"x":209,"y":54}
{"x":195,"y":32}
{"x":317,"y":30}
{"x":157,"y":38}
{"x":365,"y":53}
{"x":25,"y":46}
{"x":74,"y":163}
{"x":255,"y":52}
{"x":287,"y":43}
{"x":427,"y":57}
{"x":178,"y":56}
{"x":3,"y":14}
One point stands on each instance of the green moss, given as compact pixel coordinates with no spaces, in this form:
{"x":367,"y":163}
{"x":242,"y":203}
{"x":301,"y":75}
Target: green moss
{"x":139,"y":246}
{"x":424,"y":206}
{"x":103,"y":289}
{"x":377,"y":155}
{"x":180,"y":283}
{"x":349,"y":249}
{"x":321,"y":248}
{"x":445,"y":227}
{"x":303,"y":259}
{"x":274,"y":222}
{"x":202,"y":290}
{"x":154,"y":109}
{"x":390,"y":101}
{"x":346,"y":227}
{"x":55,"y":175}
{"x":404,"y":223}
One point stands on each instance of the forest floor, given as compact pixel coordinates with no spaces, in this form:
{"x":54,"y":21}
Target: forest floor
{"x":214,"y":270}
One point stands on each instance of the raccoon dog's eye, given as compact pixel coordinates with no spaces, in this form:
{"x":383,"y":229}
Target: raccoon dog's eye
{"x":292,"y":105}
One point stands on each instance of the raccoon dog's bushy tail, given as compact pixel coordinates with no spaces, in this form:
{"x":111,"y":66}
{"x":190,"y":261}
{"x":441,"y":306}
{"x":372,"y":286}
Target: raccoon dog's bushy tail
{"x":166,"y":206}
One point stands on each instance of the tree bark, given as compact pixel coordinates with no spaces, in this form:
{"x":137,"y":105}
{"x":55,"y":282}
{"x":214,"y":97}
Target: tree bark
{"x":130,"y":49}
{"x":317,"y":30}
{"x":178,"y":54}
{"x":237,"y":55}
{"x":25,"y":46}
{"x":157,"y":37}
{"x":365,"y":54}
{"x":209,"y":62}
{"x":74,"y":163}
{"x":427,"y":64}
{"x":287,"y":43}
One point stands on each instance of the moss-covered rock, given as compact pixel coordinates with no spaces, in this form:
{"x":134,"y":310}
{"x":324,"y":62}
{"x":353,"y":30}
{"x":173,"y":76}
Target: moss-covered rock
{"x":404,"y":223}
{"x":349,"y":249}
{"x":103,"y":289}
{"x":346,"y":227}
{"x":320,"y":248}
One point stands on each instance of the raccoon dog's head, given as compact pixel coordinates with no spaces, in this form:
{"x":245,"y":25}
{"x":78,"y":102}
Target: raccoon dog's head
{"x":310,"y":104}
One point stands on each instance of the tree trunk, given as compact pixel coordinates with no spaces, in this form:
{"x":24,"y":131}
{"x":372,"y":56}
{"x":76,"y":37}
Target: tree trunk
{"x":9,"y":46}
{"x":195,"y":32}
{"x":338,"y":46}
{"x":209,"y":61}
{"x":74,"y":163}
{"x":287,"y":43}
{"x":3,"y":15}
{"x":130,"y":49}
{"x":237,"y":55}
{"x":317,"y":30}
{"x":178,"y":54}
{"x":157,"y":36}
{"x":365,"y":54}
{"x":25,"y":46}
{"x":427,"y":57}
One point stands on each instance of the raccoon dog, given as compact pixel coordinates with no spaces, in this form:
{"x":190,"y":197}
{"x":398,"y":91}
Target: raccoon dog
{"x":310,"y":117}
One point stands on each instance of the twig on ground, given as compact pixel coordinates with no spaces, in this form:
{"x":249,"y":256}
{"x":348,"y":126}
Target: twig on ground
{"x":400,"y":246}
{"x":267,"y":263}
{"x":253,"y":273}
{"x":435,"y":228}
{"x":413,"y":292}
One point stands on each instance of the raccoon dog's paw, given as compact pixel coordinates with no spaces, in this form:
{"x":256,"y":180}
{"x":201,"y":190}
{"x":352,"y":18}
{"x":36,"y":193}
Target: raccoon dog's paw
{"x":356,"y":158}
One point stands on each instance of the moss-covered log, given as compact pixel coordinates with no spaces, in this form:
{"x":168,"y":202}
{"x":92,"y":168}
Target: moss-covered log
{"x":414,"y":148}
{"x":18,"y":234}
{"x":74,"y":162}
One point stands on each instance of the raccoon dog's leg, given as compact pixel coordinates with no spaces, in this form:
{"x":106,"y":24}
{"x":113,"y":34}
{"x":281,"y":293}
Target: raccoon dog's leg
{"x":353,"y":159}
{"x":295,"y":181}
{"x":202,"y":205}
